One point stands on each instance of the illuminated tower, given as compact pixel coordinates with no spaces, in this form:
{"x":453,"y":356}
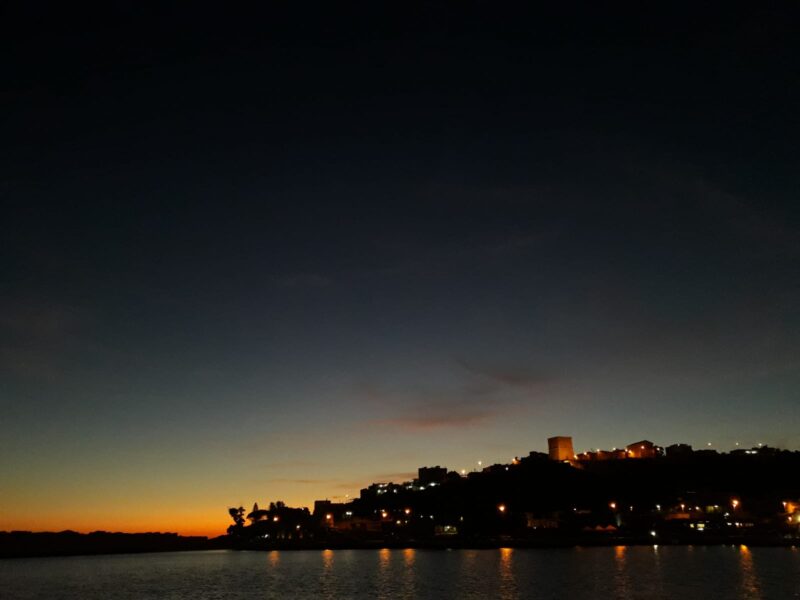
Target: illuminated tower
{"x":560,"y":448}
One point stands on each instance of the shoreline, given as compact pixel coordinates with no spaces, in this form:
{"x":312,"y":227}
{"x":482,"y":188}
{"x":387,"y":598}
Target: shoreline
{"x":494,"y":544}
{"x":431,"y":546}
{"x":54,"y":545}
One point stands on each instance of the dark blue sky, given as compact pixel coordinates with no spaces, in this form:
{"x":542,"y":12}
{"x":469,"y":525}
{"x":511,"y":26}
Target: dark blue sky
{"x":260,"y":256}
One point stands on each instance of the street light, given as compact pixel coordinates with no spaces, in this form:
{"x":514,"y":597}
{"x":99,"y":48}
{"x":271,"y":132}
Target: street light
{"x":502,"y":508}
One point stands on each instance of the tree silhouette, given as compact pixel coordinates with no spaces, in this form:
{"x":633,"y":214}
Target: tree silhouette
{"x":237,"y":514}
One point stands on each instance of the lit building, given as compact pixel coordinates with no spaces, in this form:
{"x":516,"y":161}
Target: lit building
{"x":603,"y":455}
{"x":560,"y":448}
{"x":642,"y":449}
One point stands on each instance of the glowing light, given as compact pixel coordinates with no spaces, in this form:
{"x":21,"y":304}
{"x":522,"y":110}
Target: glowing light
{"x":275,"y":518}
{"x":653,"y":533}
{"x":328,"y":517}
{"x":407,"y":511}
{"x":612,"y":505}
{"x":735,"y":503}
{"x":502,"y":508}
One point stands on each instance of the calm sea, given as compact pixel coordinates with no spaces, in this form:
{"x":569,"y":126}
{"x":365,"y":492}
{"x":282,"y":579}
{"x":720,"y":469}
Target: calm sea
{"x":714,"y":572}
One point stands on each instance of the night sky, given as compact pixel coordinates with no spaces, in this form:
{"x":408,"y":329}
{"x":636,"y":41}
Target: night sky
{"x":279,"y":256}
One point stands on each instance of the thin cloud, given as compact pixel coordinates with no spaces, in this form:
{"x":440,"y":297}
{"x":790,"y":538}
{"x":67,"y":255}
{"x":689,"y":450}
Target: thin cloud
{"x":400,"y":476}
{"x":508,"y":375}
{"x":283,"y":464}
{"x":421,"y":408}
{"x":300,"y":481}
{"x":428,"y":422}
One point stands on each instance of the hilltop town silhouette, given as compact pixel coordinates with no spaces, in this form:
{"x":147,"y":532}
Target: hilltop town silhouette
{"x":638,"y":494}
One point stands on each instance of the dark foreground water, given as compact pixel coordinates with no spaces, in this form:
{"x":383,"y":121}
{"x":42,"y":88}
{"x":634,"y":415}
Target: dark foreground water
{"x":714,"y":572}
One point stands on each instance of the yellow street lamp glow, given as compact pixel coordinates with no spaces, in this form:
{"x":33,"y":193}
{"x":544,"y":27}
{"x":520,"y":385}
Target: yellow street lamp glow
{"x":502,"y":508}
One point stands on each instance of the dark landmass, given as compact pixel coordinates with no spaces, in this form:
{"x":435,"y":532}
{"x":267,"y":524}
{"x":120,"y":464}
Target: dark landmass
{"x":15,"y":544}
{"x":744,"y":497}
{"x":748,"y":497}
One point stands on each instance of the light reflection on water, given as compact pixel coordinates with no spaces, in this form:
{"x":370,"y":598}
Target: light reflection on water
{"x":750,"y":583}
{"x":385,"y":576}
{"x":327,"y":578}
{"x":508,"y":583}
{"x":621,"y":575}
{"x":646,"y":572}
{"x":409,"y":582}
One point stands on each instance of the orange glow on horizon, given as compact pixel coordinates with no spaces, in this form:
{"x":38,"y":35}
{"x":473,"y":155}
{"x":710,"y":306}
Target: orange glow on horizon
{"x":145,"y":513}
{"x":195,"y":525}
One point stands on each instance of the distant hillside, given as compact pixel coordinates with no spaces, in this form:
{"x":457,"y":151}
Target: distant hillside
{"x":26,"y":543}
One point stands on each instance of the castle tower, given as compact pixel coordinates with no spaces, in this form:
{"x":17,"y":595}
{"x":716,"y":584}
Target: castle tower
{"x":560,"y":448}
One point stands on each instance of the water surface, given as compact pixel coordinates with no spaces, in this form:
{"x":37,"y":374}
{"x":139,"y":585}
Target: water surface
{"x":645,"y":572}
